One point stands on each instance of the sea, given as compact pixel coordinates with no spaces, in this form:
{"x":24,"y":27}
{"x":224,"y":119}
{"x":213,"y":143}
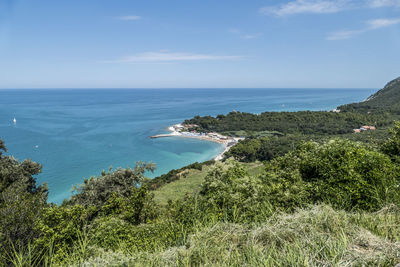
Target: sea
{"x":77,"y":133}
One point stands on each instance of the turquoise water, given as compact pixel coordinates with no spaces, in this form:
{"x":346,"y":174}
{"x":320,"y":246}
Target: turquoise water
{"x":75,"y":134}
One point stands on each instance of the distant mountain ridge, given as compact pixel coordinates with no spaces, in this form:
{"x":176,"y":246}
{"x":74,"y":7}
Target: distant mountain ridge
{"x":385,"y":100}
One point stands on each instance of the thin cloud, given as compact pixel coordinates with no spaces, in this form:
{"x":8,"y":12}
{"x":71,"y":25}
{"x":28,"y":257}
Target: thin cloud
{"x":384,"y":3}
{"x":167,"y":57}
{"x":342,"y":35}
{"x":382,"y":23}
{"x":306,"y":6}
{"x":246,"y":36}
{"x":370,"y":26}
{"x":129,"y":18}
{"x":324,"y":6}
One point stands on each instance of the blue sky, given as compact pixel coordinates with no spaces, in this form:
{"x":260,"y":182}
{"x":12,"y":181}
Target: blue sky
{"x":208,"y":43}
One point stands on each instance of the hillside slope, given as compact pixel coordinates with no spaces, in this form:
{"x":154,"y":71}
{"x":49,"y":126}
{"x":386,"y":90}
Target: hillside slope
{"x":385,"y":100}
{"x":191,"y":183}
{"x":380,"y":110}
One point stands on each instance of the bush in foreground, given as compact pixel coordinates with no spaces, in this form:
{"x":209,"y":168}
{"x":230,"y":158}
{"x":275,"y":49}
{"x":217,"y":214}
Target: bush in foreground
{"x":345,"y":174}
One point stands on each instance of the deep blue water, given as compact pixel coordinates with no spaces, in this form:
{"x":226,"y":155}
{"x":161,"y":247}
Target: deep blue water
{"x":75,"y":134}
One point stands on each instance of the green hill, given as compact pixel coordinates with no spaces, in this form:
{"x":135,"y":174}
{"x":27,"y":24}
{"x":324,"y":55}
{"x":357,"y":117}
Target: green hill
{"x":272,"y":134}
{"x":380,"y":109}
{"x":385,"y":100}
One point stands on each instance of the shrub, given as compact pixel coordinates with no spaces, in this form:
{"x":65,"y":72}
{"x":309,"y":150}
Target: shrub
{"x":135,"y":209}
{"x":392,"y":145}
{"x":96,"y":191}
{"x":61,"y":227}
{"x":233,"y":193}
{"x":345,"y":174}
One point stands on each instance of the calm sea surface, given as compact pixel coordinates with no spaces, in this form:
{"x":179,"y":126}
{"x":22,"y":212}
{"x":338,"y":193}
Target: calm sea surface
{"x":75,"y":134}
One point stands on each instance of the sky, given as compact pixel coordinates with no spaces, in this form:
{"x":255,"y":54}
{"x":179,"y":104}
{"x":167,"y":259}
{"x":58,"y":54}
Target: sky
{"x":199,"y":44}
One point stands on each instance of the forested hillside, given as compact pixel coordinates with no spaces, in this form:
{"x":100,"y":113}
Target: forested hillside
{"x":385,"y":100}
{"x":379,"y":110}
{"x":301,"y":122}
{"x":272,"y":134}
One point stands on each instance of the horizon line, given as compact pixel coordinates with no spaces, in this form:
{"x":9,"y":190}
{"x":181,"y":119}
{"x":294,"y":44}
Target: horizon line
{"x":179,"y":88}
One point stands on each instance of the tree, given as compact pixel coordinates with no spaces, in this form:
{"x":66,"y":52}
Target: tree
{"x":247,"y":150}
{"x":392,"y":145}
{"x":2,"y":147}
{"x":229,"y":190}
{"x":345,"y":174}
{"x":95,"y":191}
{"x":22,"y":201}
{"x":138,"y":208}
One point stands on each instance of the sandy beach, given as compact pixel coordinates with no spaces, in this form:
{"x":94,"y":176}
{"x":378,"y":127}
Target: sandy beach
{"x":180,"y":130}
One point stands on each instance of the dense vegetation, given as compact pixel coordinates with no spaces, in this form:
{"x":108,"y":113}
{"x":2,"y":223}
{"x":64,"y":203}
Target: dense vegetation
{"x":265,"y":148}
{"x":265,"y":219}
{"x":22,"y":202}
{"x":385,"y":100}
{"x":272,"y":134}
{"x":301,"y":122}
{"x":379,"y":110}
{"x":326,"y":202}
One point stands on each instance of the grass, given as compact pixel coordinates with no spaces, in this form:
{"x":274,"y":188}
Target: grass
{"x":191,"y":183}
{"x":317,"y":236}
{"x":254,"y":168}
{"x":177,"y":189}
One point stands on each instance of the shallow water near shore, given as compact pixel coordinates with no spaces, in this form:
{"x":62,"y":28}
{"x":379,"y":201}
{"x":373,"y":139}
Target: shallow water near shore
{"x":77,"y":133}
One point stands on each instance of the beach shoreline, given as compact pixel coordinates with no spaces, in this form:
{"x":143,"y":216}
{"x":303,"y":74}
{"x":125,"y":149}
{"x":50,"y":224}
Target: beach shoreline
{"x":180,"y":130}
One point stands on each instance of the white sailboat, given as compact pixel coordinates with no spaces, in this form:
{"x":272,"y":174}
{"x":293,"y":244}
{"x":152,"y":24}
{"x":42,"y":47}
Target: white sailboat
{"x":15,"y":121}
